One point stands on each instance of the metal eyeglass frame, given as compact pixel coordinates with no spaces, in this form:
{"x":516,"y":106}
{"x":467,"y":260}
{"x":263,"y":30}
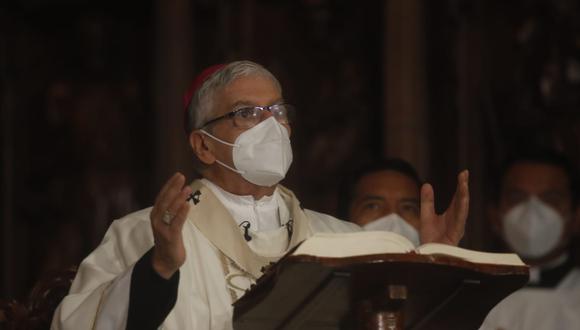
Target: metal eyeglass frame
{"x":264,"y":108}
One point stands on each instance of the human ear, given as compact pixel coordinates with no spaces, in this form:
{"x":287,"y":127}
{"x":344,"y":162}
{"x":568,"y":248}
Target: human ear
{"x":200,"y":148}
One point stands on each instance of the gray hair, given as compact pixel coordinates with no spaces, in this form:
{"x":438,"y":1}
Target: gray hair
{"x":200,"y":109}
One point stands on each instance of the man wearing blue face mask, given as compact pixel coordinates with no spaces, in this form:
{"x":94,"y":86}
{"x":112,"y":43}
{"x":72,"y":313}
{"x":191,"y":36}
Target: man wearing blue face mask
{"x":536,"y":216}
{"x":182,"y":263}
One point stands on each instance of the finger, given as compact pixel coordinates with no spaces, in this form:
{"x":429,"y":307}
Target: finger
{"x":427,"y":202}
{"x":168,"y":195}
{"x":462,"y":179}
{"x":463,"y":197}
{"x":462,"y":190}
{"x":179,"y":200}
{"x":180,"y":217}
{"x":171,"y":193}
{"x":177,"y":203}
{"x":156,"y":211}
{"x":167,"y":185}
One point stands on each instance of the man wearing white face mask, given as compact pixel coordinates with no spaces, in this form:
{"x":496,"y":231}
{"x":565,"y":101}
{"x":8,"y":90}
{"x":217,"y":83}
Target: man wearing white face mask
{"x":182,"y":263}
{"x":536,"y":216}
{"x":383,"y":195}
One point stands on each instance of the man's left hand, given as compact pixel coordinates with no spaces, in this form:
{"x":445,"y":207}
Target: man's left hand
{"x":447,"y":228}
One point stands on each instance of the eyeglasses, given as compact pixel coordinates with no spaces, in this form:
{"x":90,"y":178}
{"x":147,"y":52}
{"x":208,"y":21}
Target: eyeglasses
{"x":248,"y":117}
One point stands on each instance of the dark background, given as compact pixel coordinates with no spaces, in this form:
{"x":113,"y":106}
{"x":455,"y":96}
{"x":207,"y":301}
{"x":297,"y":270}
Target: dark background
{"x":90,"y":101}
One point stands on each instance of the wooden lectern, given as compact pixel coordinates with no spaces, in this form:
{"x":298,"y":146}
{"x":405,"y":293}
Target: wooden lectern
{"x":387,"y":291}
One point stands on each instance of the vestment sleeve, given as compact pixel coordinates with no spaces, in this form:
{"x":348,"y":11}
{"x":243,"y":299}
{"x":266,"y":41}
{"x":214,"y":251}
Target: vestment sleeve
{"x":151,"y":296}
{"x":100,"y":293}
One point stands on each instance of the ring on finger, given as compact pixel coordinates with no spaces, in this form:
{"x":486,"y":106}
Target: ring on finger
{"x":167,"y":217}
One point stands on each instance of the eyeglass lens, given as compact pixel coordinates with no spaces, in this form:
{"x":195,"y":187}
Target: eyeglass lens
{"x":251,"y":116}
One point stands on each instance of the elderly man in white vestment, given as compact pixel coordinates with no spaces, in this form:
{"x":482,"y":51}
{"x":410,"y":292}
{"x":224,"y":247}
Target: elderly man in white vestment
{"x":182,"y":263}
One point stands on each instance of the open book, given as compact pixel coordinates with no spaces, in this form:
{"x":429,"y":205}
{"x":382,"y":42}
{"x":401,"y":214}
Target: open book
{"x":329,"y":279}
{"x":342,"y":245}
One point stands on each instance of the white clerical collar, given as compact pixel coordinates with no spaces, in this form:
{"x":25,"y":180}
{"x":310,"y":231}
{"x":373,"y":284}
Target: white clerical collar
{"x":536,"y":271}
{"x":267,"y":213}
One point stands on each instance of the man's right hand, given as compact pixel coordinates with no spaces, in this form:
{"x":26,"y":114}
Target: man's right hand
{"x":171,"y":203}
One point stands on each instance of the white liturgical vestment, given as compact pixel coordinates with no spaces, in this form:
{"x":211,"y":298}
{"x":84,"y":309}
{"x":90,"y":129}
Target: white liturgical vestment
{"x":539,"y":308}
{"x":220,"y":265}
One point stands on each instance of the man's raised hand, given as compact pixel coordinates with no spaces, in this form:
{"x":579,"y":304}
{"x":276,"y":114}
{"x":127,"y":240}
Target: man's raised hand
{"x":447,"y":228}
{"x":167,"y":218}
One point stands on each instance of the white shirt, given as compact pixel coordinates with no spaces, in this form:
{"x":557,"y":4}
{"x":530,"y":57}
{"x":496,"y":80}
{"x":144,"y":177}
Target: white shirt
{"x":268,"y":213}
{"x":268,"y":219}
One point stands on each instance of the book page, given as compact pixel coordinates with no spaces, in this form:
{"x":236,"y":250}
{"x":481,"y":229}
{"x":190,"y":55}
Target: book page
{"x":340,"y":245}
{"x":470,"y":255}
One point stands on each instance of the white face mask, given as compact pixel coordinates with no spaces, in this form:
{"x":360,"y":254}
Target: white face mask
{"x":532,"y":228}
{"x":393,"y":222}
{"x":262,"y":154}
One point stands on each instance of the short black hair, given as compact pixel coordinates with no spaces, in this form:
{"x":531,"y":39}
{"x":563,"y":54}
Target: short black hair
{"x":545,"y":156}
{"x":350,"y":180}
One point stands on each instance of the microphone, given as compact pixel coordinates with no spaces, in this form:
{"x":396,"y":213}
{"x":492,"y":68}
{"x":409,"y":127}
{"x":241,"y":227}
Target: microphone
{"x":246,"y":225}
{"x":290,"y":227}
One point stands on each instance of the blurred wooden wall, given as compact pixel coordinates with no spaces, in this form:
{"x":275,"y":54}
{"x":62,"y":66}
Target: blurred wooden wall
{"x":90,"y":101}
